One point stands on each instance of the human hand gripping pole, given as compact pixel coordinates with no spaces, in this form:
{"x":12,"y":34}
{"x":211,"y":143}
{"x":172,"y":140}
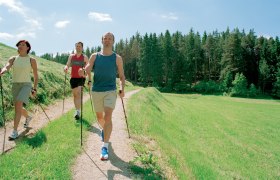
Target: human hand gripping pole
{"x":120,"y":91}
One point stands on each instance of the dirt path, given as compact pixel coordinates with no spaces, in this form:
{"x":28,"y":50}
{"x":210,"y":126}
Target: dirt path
{"x":39,"y":120}
{"x":88,"y":164}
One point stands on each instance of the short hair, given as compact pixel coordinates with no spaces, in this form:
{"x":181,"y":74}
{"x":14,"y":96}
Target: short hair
{"x":110,"y":34}
{"x":27,"y":44}
{"x":80,"y":43}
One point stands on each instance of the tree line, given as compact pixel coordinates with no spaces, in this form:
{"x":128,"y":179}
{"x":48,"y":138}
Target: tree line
{"x":233,"y":62}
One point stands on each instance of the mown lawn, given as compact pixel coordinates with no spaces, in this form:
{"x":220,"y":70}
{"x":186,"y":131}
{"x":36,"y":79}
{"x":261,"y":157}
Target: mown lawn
{"x":210,"y":137}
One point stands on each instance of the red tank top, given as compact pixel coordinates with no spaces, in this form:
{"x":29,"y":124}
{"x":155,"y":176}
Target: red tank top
{"x":77,"y":63}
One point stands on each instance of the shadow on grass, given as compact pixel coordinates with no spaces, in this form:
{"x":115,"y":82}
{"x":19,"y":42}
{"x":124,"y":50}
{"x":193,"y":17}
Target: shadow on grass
{"x":37,"y":140}
{"x":144,"y":167}
{"x":85,"y":124}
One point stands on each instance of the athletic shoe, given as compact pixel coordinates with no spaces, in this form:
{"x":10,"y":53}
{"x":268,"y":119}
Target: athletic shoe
{"x":104,"y":154}
{"x":14,"y":135}
{"x":27,"y":120}
{"x":102,"y":135}
{"x":77,"y":115}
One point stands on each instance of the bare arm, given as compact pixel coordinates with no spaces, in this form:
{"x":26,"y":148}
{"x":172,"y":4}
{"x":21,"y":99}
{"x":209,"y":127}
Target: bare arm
{"x":88,"y":73}
{"x":7,"y":66}
{"x":121,"y":75}
{"x":89,"y":66}
{"x":35,"y":73}
{"x":68,"y":64}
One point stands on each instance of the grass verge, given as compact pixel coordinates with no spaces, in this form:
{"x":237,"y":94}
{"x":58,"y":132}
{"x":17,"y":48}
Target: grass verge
{"x":50,"y":153}
{"x":208,"y":137}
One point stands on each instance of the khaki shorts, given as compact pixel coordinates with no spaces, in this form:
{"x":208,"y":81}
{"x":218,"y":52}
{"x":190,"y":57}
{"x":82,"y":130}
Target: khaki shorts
{"x":21,"y":92}
{"x":104,"y":99}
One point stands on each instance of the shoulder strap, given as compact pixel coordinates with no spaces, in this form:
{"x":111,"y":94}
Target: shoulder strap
{"x":13,"y":60}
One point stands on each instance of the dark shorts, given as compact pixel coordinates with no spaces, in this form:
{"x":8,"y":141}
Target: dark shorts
{"x":75,"y":82}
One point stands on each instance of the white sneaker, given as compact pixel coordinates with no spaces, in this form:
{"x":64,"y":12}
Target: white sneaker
{"x":77,"y":115}
{"x":27,"y":120}
{"x":14,"y":135}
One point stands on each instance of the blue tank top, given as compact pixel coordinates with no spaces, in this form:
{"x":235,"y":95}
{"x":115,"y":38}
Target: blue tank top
{"x":105,"y":72}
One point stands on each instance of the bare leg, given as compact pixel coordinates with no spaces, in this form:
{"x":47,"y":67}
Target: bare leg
{"x":77,"y":97}
{"x":18,"y":110}
{"x":24,"y":112}
{"x":100,"y":119}
{"x":108,"y":126}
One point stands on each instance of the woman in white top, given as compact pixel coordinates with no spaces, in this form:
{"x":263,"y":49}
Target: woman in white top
{"x":21,"y":83}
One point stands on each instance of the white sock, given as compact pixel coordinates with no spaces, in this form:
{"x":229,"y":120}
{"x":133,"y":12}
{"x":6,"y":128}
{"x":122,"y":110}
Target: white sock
{"x":105,"y":145}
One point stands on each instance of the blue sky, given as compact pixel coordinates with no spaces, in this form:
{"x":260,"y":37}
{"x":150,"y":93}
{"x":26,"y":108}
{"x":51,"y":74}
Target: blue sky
{"x":56,"y":25}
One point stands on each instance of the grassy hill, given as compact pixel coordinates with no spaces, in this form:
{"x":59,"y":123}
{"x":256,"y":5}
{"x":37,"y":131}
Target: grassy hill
{"x":50,"y":86}
{"x":208,"y":137}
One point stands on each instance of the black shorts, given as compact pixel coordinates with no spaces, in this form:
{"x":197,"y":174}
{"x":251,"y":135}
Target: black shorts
{"x":75,"y":82}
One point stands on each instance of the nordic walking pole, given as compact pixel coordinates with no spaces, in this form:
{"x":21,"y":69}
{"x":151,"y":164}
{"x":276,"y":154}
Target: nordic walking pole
{"x":42,"y":108}
{"x":64,"y":93}
{"x":81,"y":116}
{"x":90,"y":96}
{"x":3,"y":114}
{"x":125,"y":115}
{"x":90,"y":100}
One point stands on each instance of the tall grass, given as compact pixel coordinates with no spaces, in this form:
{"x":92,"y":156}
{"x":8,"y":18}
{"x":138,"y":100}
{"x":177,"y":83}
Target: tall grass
{"x":210,"y":137}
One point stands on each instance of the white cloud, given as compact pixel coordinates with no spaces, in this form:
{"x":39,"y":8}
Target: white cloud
{"x":32,"y":24}
{"x":6,"y":36}
{"x":99,"y":16}
{"x":170,"y":16}
{"x":1,"y":18}
{"x":14,"y":6}
{"x":61,"y":24}
{"x":26,"y":35}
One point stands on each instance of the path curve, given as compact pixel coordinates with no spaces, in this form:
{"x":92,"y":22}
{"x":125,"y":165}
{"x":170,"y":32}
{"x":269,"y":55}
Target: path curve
{"x":88,"y":164}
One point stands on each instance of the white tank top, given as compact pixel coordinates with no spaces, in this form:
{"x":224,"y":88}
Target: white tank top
{"x":21,"y":69}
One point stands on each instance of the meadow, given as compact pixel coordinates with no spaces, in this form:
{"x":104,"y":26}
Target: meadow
{"x":207,"y":136}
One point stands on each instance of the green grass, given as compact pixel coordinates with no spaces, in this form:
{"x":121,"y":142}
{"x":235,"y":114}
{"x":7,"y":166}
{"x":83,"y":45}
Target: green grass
{"x":50,"y":153}
{"x":210,"y":137}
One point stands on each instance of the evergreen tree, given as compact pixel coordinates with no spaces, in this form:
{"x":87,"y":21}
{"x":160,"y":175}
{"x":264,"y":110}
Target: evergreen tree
{"x":144,"y":64}
{"x":168,"y":52}
{"x":156,"y":59}
{"x":250,"y":59}
{"x":232,"y":57}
